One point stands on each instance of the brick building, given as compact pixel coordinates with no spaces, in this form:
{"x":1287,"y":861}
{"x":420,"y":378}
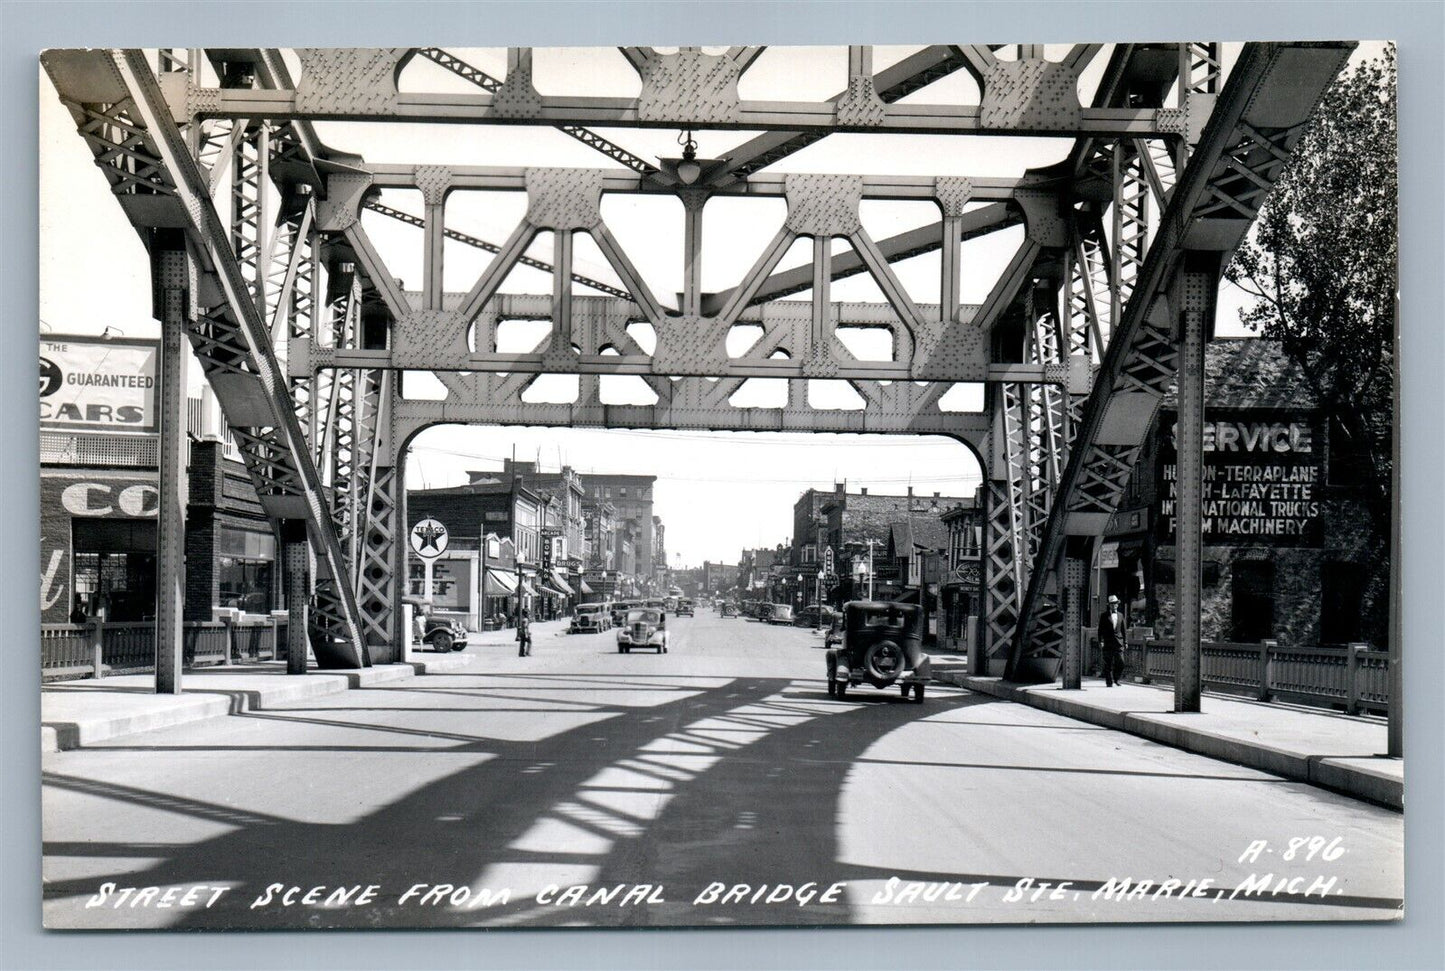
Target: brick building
{"x":853,"y":519}
{"x":1289,"y":552}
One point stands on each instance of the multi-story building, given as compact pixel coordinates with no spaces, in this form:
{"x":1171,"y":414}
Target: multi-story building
{"x":99,"y":493}
{"x":962,"y":579}
{"x":631,"y":498}
{"x":601,"y":531}
{"x":480,"y":585}
{"x":719,"y":578}
{"x":856,"y":519}
{"x":810,"y":527}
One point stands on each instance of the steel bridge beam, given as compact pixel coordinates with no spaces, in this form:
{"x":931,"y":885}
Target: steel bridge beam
{"x":1259,"y":116}
{"x":161,"y":187}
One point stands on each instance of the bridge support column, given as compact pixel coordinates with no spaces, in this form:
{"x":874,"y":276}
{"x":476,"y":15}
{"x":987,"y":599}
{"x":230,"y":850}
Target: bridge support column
{"x":170,"y":273}
{"x":1073,"y":595}
{"x":1193,"y":304}
{"x":297,"y":553}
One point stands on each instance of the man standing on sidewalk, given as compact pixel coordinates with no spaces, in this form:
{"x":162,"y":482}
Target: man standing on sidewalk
{"x":524,"y":635}
{"x":1111,"y":642}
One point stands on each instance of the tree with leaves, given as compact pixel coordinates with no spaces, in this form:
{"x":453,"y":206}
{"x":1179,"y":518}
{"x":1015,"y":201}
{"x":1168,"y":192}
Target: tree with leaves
{"x":1321,"y":263}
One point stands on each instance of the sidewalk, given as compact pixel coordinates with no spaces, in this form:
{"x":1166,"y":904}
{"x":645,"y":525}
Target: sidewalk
{"x":1324,"y":748}
{"x":78,"y":713}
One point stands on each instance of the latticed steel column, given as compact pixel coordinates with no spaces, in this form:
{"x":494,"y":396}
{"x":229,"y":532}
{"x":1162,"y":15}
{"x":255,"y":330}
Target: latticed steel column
{"x":1073,"y":597}
{"x":171,"y":275}
{"x":297,"y":555}
{"x":1193,"y":302}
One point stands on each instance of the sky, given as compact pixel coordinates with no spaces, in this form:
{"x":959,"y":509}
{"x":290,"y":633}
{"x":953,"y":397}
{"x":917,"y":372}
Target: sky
{"x":717,"y":493}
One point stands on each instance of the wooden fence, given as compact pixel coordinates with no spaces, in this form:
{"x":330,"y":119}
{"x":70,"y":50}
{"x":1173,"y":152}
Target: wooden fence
{"x":95,"y":650}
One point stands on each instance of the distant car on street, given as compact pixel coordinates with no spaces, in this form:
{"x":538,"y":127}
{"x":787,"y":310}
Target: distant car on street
{"x":685,"y":608}
{"x":645,"y":627}
{"x":729,"y":610}
{"x":780,"y":614}
{"x":882,"y":646}
{"x":590,"y":619}
{"x":814,"y":616}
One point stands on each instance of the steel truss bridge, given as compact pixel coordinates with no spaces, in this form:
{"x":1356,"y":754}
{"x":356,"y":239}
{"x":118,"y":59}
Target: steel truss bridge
{"x":260,"y":260}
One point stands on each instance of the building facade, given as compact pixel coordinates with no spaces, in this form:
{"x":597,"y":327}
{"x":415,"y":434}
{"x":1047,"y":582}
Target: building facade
{"x":1290,"y":553}
{"x":99,"y":494}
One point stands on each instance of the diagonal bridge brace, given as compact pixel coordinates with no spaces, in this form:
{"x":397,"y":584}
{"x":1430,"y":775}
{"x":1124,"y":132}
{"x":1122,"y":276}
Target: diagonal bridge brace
{"x":273,"y":443}
{"x":1274,"y":87}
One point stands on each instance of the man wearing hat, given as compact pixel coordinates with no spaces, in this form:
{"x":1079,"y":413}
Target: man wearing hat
{"x":1111,"y":640}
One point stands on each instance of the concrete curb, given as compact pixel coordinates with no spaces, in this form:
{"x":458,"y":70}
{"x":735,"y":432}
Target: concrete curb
{"x":113,"y":715}
{"x":1362,"y":777}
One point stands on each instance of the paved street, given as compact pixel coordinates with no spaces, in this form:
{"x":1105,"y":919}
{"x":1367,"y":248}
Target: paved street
{"x":674,"y":779}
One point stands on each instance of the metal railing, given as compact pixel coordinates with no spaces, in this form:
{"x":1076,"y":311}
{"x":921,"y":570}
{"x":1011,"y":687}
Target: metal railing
{"x":1354,"y":678}
{"x":94,"y":650}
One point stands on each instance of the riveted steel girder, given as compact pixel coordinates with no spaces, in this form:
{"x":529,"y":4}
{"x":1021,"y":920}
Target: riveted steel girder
{"x":1257,"y":118}
{"x":162,"y":188}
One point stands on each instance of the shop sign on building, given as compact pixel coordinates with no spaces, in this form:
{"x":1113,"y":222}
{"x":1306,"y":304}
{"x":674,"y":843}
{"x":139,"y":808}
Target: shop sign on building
{"x":96,"y":384}
{"x":1263,"y":478}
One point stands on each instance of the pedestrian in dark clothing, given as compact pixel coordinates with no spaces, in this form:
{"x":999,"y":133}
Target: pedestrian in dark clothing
{"x":524,"y":635}
{"x":1112,"y":628}
{"x":77,"y":616}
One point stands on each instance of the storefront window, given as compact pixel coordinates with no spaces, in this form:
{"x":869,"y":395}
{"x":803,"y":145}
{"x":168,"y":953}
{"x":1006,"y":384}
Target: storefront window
{"x":244,"y":566}
{"x":123,"y":584}
{"x":244,"y":584}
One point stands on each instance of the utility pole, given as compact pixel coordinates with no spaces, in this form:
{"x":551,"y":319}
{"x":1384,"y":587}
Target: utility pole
{"x":870,"y":569}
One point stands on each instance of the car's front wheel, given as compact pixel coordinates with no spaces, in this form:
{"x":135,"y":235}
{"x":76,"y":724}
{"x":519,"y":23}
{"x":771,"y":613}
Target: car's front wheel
{"x":441,"y":642}
{"x":841,"y":688}
{"x":918,"y":694}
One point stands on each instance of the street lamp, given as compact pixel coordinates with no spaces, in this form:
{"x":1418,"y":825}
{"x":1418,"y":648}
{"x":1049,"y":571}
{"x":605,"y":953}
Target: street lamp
{"x":818,"y":603}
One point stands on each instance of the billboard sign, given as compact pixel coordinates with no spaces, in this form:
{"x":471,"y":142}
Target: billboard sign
{"x":95,"y":384}
{"x":1264,"y":478}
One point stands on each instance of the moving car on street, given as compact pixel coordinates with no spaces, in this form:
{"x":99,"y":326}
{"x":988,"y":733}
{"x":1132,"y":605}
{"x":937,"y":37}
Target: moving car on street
{"x":780,"y":614}
{"x":620,"y":609}
{"x":645,"y":627}
{"x":685,"y":608}
{"x":590,"y":619}
{"x":882,"y":646}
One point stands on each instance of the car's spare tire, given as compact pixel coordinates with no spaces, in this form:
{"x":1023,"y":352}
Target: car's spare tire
{"x":884,"y":661}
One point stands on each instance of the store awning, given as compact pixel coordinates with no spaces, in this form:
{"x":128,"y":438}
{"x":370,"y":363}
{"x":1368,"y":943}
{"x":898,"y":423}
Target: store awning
{"x":527,"y":587}
{"x":561,"y":584}
{"x":500,"y":584}
{"x":907,"y":597}
{"x":585,"y":588}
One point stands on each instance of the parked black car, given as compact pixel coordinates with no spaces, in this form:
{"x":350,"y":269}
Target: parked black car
{"x":444,"y":633}
{"x":882,"y":646}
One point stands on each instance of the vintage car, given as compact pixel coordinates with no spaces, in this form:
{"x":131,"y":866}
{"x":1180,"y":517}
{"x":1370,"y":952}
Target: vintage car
{"x":443,"y":633}
{"x":685,"y":608}
{"x":762,"y":611}
{"x":590,"y":618}
{"x":645,"y":627}
{"x":729,"y":610}
{"x":882,"y":646}
{"x":780,"y":614}
{"x":814,"y":616}
{"x":620,"y":609}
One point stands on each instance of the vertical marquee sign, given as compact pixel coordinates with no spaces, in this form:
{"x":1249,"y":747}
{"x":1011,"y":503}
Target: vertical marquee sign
{"x":1264,"y":478}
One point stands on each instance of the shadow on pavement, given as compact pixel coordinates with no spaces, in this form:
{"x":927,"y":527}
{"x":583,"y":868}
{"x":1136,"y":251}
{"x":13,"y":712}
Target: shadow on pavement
{"x":738,"y":782}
